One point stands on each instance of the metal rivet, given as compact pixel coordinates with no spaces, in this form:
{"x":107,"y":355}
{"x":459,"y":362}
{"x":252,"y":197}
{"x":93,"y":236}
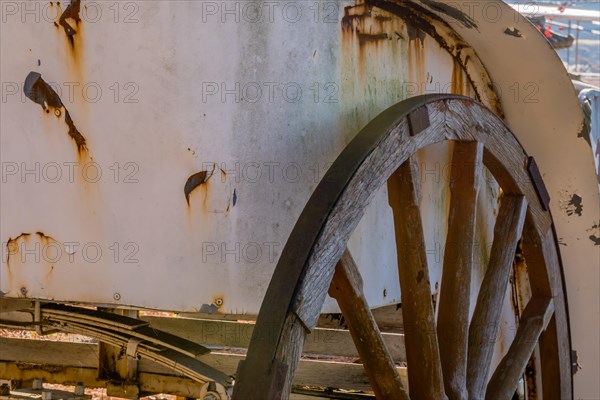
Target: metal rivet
{"x":24,"y":291}
{"x":57,"y":112}
{"x":117,"y":296}
{"x":219,"y":302}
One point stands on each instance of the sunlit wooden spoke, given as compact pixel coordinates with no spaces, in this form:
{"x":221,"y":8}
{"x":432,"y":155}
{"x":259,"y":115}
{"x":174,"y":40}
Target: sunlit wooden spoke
{"x":535,"y":318}
{"x":424,"y":369}
{"x":453,"y":316}
{"x":486,"y":318}
{"x":346,"y":288}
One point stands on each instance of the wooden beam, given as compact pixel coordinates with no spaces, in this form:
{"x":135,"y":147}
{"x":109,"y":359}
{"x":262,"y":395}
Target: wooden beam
{"x":324,"y":341}
{"x":453,"y":313}
{"x":422,"y":353}
{"x":54,"y":356}
{"x":88,"y":377}
{"x":486,"y":317}
{"x":535,"y":318}
{"x":347,"y":288}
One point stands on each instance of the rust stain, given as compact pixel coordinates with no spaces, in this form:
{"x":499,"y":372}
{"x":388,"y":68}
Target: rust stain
{"x":595,"y":233}
{"x":215,"y":307}
{"x":575,"y":205}
{"x":458,"y":82}
{"x":69,"y":17}
{"x":416,"y":34}
{"x":425,"y":20}
{"x":197,"y":179}
{"x":359,"y":22}
{"x":369,"y":37}
{"x":513,"y":32}
{"x":38,"y":91}
{"x":45,"y":238}
{"x":12,"y":247}
{"x":530,"y":378}
{"x":74,"y":133}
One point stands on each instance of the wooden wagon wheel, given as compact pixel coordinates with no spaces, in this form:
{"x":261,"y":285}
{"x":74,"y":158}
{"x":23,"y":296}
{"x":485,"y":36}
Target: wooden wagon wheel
{"x":450,"y":359}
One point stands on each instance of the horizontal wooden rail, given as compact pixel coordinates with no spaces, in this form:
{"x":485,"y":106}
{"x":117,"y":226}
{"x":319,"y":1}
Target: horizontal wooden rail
{"x":56,"y":356}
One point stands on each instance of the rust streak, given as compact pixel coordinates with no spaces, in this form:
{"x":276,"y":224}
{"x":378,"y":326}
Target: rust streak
{"x":424,"y":19}
{"x":71,"y":13}
{"x":193,"y":182}
{"x":513,"y":32}
{"x":12,"y":246}
{"x":367,"y":37}
{"x":38,"y":91}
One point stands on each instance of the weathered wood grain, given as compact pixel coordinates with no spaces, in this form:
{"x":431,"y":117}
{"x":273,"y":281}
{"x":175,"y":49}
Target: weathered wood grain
{"x":422,"y":352}
{"x":323,"y":341}
{"x":347,"y":288}
{"x":535,"y":319}
{"x":55,"y":356}
{"x":453,"y":314}
{"x":486,"y":317}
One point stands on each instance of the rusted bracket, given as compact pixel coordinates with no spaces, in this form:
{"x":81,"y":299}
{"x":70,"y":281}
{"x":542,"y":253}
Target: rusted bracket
{"x":132,"y":358}
{"x":37,"y":319}
{"x":418,"y":120}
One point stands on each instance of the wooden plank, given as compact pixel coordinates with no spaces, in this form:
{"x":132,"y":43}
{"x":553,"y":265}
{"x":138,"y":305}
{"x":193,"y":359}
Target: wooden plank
{"x":53,"y":356}
{"x":453,"y":313}
{"x":347,"y":288}
{"x":389,"y":318}
{"x":71,"y":376}
{"x":535,"y":318}
{"x":422,"y":353}
{"x":222,"y":333}
{"x":486,"y":317}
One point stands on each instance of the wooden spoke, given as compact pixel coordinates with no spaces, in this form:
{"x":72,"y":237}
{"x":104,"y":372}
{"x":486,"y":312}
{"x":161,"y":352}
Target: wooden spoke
{"x":535,"y":318}
{"x":486,"y":318}
{"x":453,"y":315}
{"x":346,"y":288}
{"x":422,"y":353}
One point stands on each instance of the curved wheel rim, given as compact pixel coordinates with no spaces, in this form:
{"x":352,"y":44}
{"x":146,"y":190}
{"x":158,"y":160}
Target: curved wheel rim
{"x":304,"y":272}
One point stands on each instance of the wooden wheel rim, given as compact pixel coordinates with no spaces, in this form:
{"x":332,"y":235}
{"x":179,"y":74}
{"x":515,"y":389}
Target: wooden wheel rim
{"x":304,"y":272}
